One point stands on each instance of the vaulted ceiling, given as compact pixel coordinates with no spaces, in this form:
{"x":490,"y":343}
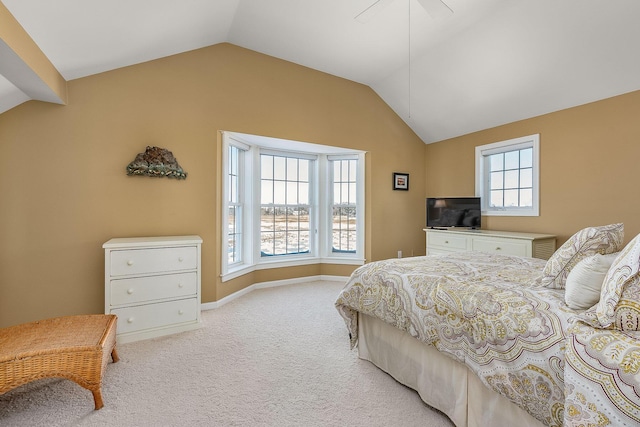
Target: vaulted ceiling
{"x":480,"y":64}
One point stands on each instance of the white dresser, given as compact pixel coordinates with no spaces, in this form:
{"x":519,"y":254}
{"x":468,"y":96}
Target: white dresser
{"x":505,"y":242}
{"x":153,"y":285}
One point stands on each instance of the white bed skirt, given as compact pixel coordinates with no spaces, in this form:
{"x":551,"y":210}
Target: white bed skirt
{"x":441,"y":382}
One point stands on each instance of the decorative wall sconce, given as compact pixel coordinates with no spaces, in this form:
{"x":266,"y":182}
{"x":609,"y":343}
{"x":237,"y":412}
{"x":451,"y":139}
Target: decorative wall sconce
{"x":158,"y":162}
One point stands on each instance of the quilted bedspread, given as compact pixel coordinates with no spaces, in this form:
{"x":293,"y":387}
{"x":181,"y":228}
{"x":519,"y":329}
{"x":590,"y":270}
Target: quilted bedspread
{"x":487,"y":311}
{"x":602,"y":372}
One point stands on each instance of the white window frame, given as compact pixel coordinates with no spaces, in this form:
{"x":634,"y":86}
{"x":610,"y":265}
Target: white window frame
{"x":320,"y":239}
{"x":483,"y":176}
{"x":313,"y":210}
{"x":246,"y":199}
{"x":328,"y":255}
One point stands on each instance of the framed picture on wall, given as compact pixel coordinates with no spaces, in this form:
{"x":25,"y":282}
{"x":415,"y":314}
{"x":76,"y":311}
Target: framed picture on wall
{"x":400,"y":181}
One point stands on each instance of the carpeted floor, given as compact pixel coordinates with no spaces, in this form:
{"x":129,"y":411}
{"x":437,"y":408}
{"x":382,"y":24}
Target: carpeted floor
{"x":274,"y":357}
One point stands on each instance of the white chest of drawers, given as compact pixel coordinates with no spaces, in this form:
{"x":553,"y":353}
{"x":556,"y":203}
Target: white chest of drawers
{"x":505,"y":242}
{"x":153,"y":285}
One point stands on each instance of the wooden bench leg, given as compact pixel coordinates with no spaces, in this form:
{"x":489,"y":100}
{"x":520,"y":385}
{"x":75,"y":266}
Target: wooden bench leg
{"x":97,"y":398}
{"x":114,"y":355}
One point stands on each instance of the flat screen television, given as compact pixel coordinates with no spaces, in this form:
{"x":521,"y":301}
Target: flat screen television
{"x":444,"y":212}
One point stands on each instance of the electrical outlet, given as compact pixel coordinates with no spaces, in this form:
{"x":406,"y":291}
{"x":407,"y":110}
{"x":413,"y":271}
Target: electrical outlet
{"x":399,"y":254}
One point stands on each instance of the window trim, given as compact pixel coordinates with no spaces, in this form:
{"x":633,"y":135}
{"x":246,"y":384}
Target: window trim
{"x":483,"y":176}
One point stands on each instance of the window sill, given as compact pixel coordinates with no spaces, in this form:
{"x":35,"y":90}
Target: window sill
{"x":511,"y":212}
{"x":265,"y":265}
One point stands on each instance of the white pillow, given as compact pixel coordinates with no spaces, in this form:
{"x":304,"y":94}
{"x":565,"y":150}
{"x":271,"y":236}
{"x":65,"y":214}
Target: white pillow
{"x":584,"y":282}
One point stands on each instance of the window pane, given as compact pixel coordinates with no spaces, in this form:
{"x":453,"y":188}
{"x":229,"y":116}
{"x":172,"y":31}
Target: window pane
{"x":344,"y":229}
{"x":231,"y":249}
{"x":526,"y":158}
{"x":496,"y":162}
{"x":345,"y":170}
{"x":303,"y":170}
{"x":279,"y":192}
{"x":266,"y":197}
{"x":352,"y":194}
{"x":266,"y":167}
{"x":303,"y":218}
{"x":279,"y":168}
{"x":233,"y":193}
{"x":292,"y":169}
{"x":266,"y":243}
{"x":337,"y":195}
{"x":526,"y":178}
{"x":511,"y":198}
{"x":352,"y":170}
{"x":303,"y":193}
{"x":496,"y":199}
{"x":512,"y":160}
{"x":233,"y":160}
{"x":304,"y":241}
{"x":497,"y":182}
{"x":526,"y":197}
{"x":232,"y":220}
{"x":292,"y":193}
{"x":511,"y":179}
{"x":345,"y":193}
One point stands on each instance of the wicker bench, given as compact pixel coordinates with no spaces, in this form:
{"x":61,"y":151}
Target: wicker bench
{"x":73,"y":347}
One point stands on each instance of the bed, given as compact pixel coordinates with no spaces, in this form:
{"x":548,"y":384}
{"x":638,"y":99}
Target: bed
{"x":482,"y":337}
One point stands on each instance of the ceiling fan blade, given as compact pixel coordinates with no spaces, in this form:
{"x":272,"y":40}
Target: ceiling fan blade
{"x":373,"y":10}
{"x":436,"y":8}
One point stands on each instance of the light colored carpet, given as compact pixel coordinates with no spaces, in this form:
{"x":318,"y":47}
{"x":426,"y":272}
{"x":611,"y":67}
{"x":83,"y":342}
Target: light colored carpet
{"x":274,"y":357}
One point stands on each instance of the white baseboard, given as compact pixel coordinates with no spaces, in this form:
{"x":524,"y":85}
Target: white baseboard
{"x":274,"y":283}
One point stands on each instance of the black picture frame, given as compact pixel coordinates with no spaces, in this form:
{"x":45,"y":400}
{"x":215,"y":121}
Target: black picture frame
{"x":401,"y":181}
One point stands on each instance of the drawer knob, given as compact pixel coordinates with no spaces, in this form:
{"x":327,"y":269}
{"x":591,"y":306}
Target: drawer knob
{"x":129,"y":263}
{"x":129,"y":291}
{"x":180,"y":285}
{"x":180,"y":259}
{"x":498,"y":248}
{"x":446,"y":241}
{"x":130,"y":320}
{"x":180,"y":312}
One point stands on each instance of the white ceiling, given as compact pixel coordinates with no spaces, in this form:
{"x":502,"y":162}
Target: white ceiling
{"x":489,"y":63}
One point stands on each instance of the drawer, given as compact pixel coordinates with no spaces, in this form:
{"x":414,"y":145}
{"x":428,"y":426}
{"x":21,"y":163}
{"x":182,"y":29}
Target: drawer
{"x":451,"y":242}
{"x":158,"y":260}
{"x":438,"y":251}
{"x":141,"y":289}
{"x":156,"y":315}
{"x":502,"y":246}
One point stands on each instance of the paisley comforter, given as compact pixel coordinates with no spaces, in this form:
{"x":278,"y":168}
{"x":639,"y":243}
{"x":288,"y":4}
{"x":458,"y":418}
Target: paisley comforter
{"x":487,"y":311}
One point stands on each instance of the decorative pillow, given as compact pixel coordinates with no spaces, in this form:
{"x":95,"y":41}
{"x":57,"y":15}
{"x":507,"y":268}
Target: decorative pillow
{"x":624,"y":270}
{"x":628,"y":309}
{"x":605,"y":239}
{"x":584,"y":282}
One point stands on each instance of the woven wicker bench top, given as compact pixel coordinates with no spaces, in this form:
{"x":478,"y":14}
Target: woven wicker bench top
{"x":81,"y":332}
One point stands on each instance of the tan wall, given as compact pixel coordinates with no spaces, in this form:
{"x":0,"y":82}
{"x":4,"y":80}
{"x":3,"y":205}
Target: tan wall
{"x":588,"y":162}
{"x":65,"y":191}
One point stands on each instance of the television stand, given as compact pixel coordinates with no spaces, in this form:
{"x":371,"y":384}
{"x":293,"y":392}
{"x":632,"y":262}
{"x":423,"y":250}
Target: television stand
{"x":442,"y":241}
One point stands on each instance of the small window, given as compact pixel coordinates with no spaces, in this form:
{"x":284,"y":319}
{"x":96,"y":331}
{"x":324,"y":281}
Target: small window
{"x":343,"y":206}
{"x":507,"y":177}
